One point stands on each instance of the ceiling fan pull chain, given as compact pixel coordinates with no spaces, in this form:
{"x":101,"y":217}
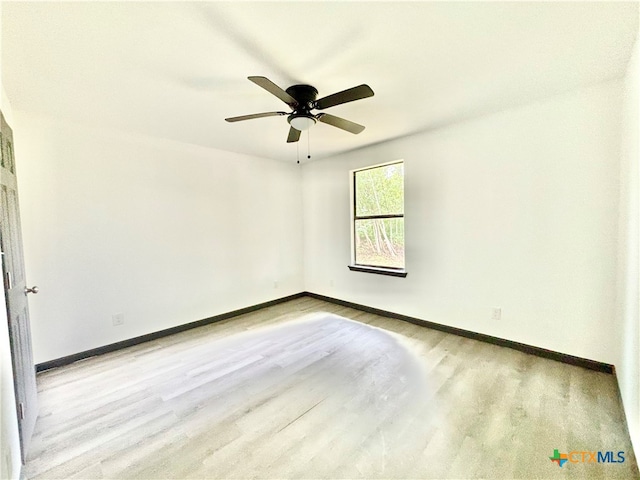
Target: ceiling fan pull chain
{"x":298,"y":152}
{"x":308,"y":144}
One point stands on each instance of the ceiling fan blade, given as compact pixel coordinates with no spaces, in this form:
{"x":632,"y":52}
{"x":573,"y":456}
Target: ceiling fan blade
{"x":294,"y":135}
{"x":274,"y":89}
{"x":254,"y":115}
{"x":340,"y":123}
{"x":345,"y":96}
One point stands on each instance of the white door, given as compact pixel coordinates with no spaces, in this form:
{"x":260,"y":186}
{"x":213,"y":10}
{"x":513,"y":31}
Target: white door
{"x":16,"y":293}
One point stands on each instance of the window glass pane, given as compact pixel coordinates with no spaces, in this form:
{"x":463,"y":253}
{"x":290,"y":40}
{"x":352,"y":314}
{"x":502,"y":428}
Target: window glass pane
{"x":380,"y":242}
{"x":380,"y":190}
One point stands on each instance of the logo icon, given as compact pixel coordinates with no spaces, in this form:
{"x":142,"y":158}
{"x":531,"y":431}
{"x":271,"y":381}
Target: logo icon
{"x":579,"y":456}
{"x":559,"y":458}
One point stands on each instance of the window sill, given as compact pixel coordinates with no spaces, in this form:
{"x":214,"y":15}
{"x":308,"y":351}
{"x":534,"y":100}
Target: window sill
{"x":393,"y":272}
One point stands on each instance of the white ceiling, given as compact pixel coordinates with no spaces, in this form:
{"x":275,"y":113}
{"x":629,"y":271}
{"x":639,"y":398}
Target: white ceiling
{"x":177,"y":69}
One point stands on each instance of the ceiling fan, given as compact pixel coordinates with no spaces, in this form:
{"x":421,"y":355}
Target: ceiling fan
{"x":302,"y":99}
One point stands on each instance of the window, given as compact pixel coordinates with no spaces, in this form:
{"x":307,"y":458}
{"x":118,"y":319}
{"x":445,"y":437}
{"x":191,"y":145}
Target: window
{"x":378,"y":219}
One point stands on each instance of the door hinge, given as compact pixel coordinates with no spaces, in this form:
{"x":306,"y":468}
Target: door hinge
{"x":21,"y":410}
{"x":9,"y":282}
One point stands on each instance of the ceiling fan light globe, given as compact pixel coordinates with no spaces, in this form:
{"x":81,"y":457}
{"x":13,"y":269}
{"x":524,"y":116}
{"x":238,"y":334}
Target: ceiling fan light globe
{"x":302,"y":122}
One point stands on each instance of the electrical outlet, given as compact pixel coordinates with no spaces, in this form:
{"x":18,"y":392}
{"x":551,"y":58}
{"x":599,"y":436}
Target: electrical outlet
{"x":118,"y":319}
{"x":496,"y":313}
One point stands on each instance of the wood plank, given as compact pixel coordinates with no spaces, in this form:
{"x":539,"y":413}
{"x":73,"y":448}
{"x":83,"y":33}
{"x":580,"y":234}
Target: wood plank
{"x":310,"y":389}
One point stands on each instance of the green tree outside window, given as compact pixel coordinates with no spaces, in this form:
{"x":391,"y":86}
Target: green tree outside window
{"x":379,"y":216}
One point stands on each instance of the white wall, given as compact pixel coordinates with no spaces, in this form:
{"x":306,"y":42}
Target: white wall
{"x":516,"y":210}
{"x":163,"y":232}
{"x":628,"y":369}
{"x":10,"y":461}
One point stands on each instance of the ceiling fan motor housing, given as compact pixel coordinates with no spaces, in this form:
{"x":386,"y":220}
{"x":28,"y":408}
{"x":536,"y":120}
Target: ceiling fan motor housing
{"x":302,"y":119}
{"x":304,"y":94}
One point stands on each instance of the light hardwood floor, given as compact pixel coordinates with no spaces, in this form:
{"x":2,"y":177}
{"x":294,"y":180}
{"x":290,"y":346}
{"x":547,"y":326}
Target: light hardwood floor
{"x":308,"y":389}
